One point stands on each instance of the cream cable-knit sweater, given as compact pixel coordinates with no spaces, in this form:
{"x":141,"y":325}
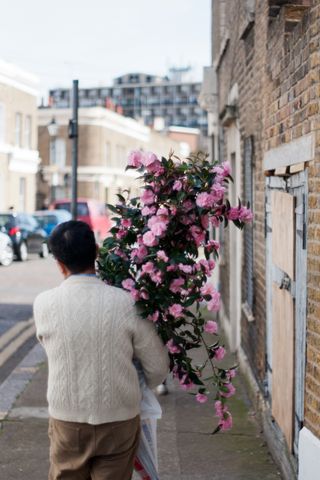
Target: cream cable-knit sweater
{"x":91,"y":332}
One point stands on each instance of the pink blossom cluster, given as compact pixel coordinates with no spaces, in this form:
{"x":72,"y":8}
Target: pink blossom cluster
{"x":148,"y":160}
{"x":225,"y":417}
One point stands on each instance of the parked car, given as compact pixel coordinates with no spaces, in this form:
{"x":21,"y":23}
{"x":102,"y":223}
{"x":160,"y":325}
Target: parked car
{"x":26,"y":234}
{"x":49,"y":219}
{"x":6,"y":250}
{"x":90,"y":211}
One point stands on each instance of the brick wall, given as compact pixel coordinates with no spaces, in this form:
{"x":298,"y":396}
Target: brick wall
{"x":277,"y":68}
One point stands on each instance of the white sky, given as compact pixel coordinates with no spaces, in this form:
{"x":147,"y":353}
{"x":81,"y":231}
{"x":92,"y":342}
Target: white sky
{"x":97,"y":40}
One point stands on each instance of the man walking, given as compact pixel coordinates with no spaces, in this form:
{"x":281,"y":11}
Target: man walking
{"x":91,"y":332}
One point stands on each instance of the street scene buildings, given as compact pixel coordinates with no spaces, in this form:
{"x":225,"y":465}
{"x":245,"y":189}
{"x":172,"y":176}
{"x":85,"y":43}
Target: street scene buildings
{"x":19,"y":156}
{"x":257,"y":108}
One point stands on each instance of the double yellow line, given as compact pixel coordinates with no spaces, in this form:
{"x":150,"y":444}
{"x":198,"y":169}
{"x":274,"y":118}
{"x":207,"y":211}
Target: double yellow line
{"x":14,"y":338}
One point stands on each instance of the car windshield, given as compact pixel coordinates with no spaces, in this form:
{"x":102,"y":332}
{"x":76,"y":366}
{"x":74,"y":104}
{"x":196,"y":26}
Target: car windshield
{"x":46,"y":219}
{"x":82,"y":210}
{"x":6,"y":220}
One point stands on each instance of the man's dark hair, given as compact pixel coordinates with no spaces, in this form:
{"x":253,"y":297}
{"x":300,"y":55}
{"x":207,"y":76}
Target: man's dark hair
{"x":73,"y":244}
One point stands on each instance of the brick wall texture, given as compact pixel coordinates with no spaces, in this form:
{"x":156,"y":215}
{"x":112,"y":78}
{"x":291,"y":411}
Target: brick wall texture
{"x":276,"y":64}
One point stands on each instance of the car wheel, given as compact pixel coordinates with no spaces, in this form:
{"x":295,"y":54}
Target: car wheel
{"x":44,"y":251}
{"x":23,"y":252}
{"x":7,"y":256}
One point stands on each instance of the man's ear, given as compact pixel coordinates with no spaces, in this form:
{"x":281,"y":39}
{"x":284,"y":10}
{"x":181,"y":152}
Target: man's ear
{"x":63,"y":269}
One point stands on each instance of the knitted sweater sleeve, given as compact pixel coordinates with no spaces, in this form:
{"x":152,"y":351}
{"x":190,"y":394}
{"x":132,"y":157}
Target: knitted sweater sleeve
{"x":149,"y":349}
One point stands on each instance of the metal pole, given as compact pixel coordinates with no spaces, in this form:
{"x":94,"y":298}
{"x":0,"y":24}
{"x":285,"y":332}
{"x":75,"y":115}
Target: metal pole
{"x":73,"y":134}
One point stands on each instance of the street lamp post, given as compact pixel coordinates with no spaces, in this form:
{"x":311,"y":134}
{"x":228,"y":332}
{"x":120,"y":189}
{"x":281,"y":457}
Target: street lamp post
{"x":73,"y":134}
{"x":53,"y":129}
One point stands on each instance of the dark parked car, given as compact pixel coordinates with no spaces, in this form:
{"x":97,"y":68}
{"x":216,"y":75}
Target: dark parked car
{"x":49,"y":219}
{"x":26,"y":234}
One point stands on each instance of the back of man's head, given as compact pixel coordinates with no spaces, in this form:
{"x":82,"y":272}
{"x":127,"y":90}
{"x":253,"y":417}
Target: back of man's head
{"x":73,"y":244}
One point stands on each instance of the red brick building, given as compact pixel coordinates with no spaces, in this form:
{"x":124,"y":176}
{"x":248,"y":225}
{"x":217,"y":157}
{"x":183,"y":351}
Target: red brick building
{"x":264,"y":118}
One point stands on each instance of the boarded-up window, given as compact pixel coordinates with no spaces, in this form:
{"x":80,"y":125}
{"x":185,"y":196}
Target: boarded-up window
{"x":248,"y":231}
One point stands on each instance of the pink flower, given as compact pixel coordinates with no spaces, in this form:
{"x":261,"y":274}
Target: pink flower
{"x":149,"y":158}
{"x":219,"y":353}
{"x":163,"y":211}
{"x":231,"y":390}
{"x":172,"y":347}
{"x":207,"y":289}
{"x":177,"y":185}
{"x":148,"y":211}
{"x":121,"y":234}
{"x":205,"y":200}
{"x":206,"y":265}
{"x":226,"y":421}
{"x":147,"y":268}
{"x":201,"y":398}
{"x":231,"y":374}
{"x":171,"y":268}
{"x":161,"y":255}
{"x":147,"y":197}
{"x":120,"y":253}
{"x":135,"y":294}
{"x":217,"y":192}
{"x":128,"y":284}
{"x":220,"y":409}
{"x":135,"y":158}
{"x":185,"y":268}
{"x":211,"y":327}
{"x":126,"y":222}
{"x":212,"y":245}
{"x":176,"y":310}
{"x":144,"y":294}
{"x":156,"y":277}
{"x":139,"y":254}
{"x":188,"y":205}
{"x":215,"y":222}
{"x":198,"y":234}
{"x":176,"y":284}
{"x":234,"y":213}
{"x":154,"y":317}
{"x":223,"y":170}
{"x":158,"y":224}
{"x":149,"y":239}
{"x":245,"y":215}
{"x":215,"y":303}
{"x":186,"y":383}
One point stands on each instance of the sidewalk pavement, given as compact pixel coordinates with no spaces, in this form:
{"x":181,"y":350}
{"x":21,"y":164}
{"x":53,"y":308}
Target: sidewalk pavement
{"x":186,"y":450}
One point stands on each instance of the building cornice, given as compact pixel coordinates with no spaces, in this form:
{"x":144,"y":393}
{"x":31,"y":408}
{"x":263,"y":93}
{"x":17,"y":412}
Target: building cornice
{"x":15,"y":77}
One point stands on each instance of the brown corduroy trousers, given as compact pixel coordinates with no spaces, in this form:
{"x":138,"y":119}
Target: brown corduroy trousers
{"x":79,"y":451}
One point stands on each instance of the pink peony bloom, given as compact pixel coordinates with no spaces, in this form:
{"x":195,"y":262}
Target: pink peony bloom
{"x":233,"y":213}
{"x":211,"y":327}
{"x":121,"y":234}
{"x":226,"y":421}
{"x":188,"y":205}
{"x":171,"y":268}
{"x":245,"y":215}
{"x":212,"y":245}
{"x":158,"y":224}
{"x":148,"y":268}
{"x":144,"y":294}
{"x":198,"y":234}
{"x":219,"y":353}
{"x":149,"y":239}
{"x":177,"y":185}
{"x":217,"y":192}
{"x":215,"y":302}
{"x":128,"y":284}
{"x":172,"y":347}
{"x":120,"y":253}
{"x":156,"y":277}
{"x":205,"y":200}
{"x":135,"y":294}
{"x":163,"y":211}
{"x":220,"y":409}
{"x":148,"y":211}
{"x":135,"y":159}
{"x":149,"y":158}
{"x":215,"y":222}
{"x":206,"y":265}
{"x":154,"y":317}
{"x":176,"y":310}
{"x":147,"y":197}
{"x":207,"y":289}
{"x":176,"y":284}
{"x":126,"y":222}
{"x":185,"y":268}
{"x":161,"y":255}
{"x":201,"y":398}
{"x":223,"y":170}
{"x":231,"y":390}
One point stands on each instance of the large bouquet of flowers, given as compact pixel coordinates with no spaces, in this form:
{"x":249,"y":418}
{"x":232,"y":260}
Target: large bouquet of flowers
{"x":153,"y":252}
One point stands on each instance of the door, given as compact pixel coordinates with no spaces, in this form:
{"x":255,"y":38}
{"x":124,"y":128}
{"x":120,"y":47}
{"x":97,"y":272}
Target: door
{"x":286,"y":301}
